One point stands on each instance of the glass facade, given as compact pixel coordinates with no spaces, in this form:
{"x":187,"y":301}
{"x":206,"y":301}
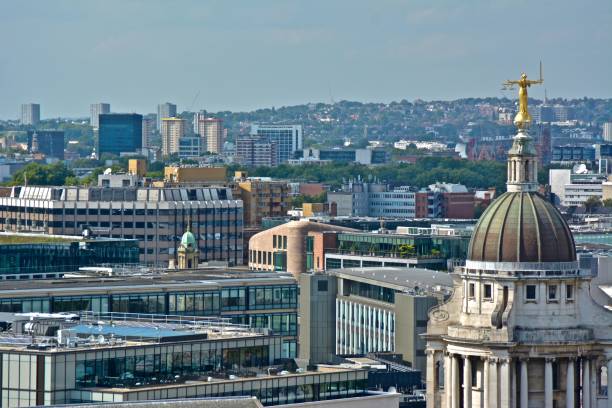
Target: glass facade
{"x":370,"y":291}
{"x":40,"y":259}
{"x":271,"y":307}
{"x":162,"y":365}
{"x":270,"y":392}
{"x":119,"y":133}
{"x":404,"y":246}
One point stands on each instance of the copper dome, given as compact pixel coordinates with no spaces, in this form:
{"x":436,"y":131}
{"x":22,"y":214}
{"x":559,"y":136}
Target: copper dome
{"x":522,"y":227}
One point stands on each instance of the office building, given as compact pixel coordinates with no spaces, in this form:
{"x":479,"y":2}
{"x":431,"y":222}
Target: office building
{"x":259,"y":300}
{"x":254,"y":152}
{"x":48,"y":142}
{"x":439,"y":247}
{"x":156,"y":217}
{"x":574,"y":189}
{"x":456,"y":201}
{"x":30,"y":114}
{"x":190,"y":147}
{"x":119,"y":180}
{"x":148,"y":130}
{"x":283,"y":248}
{"x":211,"y":132}
{"x":172,"y":130}
{"x":607,"y":132}
{"x":37,"y":256}
{"x":262,"y":198}
{"x":573,"y":154}
{"x":95,"y":110}
{"x":399,"y":202}
{"x":137,"y":167}
{"x":116,"y":357}
{"x":186,"y":176}
{"x":288,"y":139}
{"x":521,"y":325}
{"x":357,"y":198}
{"x":119,"y":133}
{"x":362,"y":156}
{"x":383,"y":310}
{"x":165,"y":110}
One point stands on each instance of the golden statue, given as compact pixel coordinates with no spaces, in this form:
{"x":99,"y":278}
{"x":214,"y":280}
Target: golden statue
{"x":523,"y":118}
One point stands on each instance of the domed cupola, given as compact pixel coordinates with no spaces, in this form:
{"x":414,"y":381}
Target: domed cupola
{"x":521,"y":226}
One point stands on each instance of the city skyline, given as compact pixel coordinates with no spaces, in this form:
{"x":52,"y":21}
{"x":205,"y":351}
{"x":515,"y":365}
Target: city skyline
{"x":291,"y":53}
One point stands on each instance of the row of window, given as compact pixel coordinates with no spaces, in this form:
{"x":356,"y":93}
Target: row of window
{"x":553,"y":292}
{"x":184,"y":303}
{"x":115,"y":211}
{"x":279,"y":241}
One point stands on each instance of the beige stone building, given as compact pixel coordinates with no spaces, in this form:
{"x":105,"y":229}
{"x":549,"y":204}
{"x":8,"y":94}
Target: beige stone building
{"x":211,"y":132}
{"x":283,"y":248}
{"x":172,"y":129}
{"x":262,"y":197}
{"x":521,"y":329}
{"x":195,"y":175}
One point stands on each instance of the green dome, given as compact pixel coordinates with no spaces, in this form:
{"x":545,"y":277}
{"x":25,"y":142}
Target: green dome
{"x":522,"y":227}
{"x":188,"y":240}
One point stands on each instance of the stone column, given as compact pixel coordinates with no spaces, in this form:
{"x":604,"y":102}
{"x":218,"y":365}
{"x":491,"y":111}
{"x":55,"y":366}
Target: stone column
{"x":513,"y":389}
{"x":609,"y":371}
{"x":455,"y":382}
{"x":586,"y":383}
{"x":467,"y":382}
{"x":570,"y":384}
{"x":485,"y":382}
{"x":431,"y":385}
{"x":548,"y":383}
{"x":504,"y":383}
{"x":448,"y":381}
{"x":493,"y":383}
{"x":524,"y":384}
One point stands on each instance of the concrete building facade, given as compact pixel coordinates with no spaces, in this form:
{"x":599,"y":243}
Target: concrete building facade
{"x":30,"y":114}
{"x":261,"y":198}
{"x":156,"y":217}
{"x":283,"y":248}
{"x":165,"y":110}
{"x":95,"y":109}
{"x":254,"y":152}
{"x":172,"y":130}
{"x":211,"y":132}
{"x":287,"y":138}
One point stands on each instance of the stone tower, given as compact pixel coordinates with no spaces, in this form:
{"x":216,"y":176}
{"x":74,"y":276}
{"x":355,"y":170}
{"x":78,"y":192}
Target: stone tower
{"x":188,"y":254}
{"x":521,"y":329}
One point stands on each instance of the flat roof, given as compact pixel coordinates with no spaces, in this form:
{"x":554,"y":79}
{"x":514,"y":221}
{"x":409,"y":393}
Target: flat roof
{"x":162,"y":281}
{"x":321,"y":370}
{"x":398,"y":278}
{"x":19,"y":238}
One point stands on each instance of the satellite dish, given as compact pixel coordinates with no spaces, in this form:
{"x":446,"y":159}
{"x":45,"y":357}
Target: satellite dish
{"x":580,"y":169}
{"x":108,"y":171}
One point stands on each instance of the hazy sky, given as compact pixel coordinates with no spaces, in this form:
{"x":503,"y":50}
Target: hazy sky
{"x":242,"y":55}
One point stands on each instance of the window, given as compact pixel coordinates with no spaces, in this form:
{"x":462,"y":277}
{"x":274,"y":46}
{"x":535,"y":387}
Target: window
{"x":530,"y":293}
{"x":569,"y":293}
{"x":553,"y":293}
{"x":488,"y":291}
{"x":471,"y":290}
{"x":322,"y":286}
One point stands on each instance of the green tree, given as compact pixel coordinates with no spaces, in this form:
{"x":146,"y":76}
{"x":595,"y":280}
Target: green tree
{"x":42,"y":175}
{"x":406,"y":250}
{"x":607,"y":203}
{"x":592,"y":203}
